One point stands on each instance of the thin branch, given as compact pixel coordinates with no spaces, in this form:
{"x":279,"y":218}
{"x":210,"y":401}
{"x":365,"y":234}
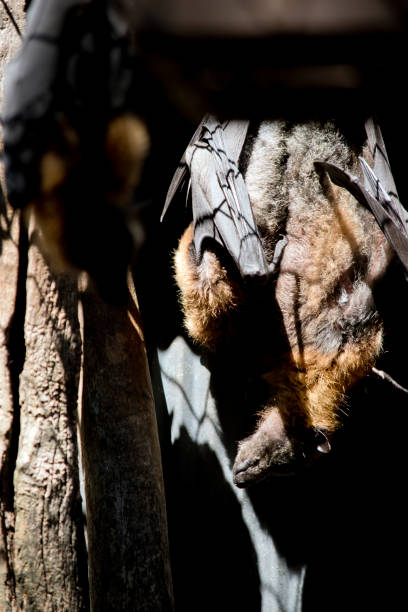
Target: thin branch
{"x":389,"y":379}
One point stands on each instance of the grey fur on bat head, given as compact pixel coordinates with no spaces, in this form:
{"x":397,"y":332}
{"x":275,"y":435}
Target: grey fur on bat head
{"x":318,"y":330}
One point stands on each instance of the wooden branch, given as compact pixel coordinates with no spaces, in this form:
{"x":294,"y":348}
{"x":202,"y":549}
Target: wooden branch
{"x":389,"y":379}
{"x":259,"y":17}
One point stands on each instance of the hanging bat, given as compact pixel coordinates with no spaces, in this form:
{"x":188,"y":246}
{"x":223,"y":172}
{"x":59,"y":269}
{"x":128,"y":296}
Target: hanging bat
{"x":315,"y":193}
{"x":75,"y":146}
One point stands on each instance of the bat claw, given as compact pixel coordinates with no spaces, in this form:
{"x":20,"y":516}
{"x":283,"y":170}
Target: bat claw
{"x":277,"y":256}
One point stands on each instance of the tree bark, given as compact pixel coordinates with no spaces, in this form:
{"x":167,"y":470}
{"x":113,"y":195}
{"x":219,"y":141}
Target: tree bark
{"x":49,"y":551}
{"x":127,"y":525}
{"x":42,"y":554}
{"x":9,"y":259}
{"x":9,"y":265}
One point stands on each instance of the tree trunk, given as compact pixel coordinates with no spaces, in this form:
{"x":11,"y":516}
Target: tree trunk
{"x":127,"y":526}
{"x":43,"y":560}
{"x":9,"y":358}
{"x":49,"y":551}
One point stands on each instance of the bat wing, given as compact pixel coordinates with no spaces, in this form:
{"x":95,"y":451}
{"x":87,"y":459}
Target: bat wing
{"x":221,"y":208}
{"x":380,"y":181}
{"x":181,"y":175}
{"x":380,"y":197}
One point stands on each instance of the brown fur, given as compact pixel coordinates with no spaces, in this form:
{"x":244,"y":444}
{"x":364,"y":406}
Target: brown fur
{"x":127,"y":144}
{"x":49,"y":211}
{"x":207,"y":295}
{"x":309,"y":387}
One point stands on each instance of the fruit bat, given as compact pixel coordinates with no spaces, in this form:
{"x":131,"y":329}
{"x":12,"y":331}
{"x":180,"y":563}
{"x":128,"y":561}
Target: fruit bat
{"x":314,"y":331}
{"x":74,"y":145}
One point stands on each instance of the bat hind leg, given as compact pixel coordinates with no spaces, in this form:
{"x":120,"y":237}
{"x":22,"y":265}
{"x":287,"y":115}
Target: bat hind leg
{"x":207,"y":293}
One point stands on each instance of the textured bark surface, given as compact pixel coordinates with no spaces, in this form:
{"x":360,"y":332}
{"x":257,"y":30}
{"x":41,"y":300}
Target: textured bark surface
{"x":9,"y":262}
{"x":50,"y":567}
{"x":9,"y":259}
{"x":42,"y":552}
{"x":126,"y":515}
